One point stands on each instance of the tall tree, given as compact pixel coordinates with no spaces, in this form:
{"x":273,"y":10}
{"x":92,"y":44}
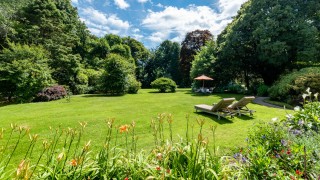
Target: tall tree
{"x":204,"y":60}
{"x":267,"y":38}
{"x":190,"y":46}
{"x":54,"y":24}
{"x":23,"y":72}
{"x":164,"y":62}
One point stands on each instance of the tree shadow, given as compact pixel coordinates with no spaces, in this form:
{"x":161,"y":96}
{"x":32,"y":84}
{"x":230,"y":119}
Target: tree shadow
{"x":222,"y":120}
{"x":177,"y":90}
{"x":245,"y":117}
{"x":200,"y":94}
{"x":100,"y":95}
{"x":3,"y":104}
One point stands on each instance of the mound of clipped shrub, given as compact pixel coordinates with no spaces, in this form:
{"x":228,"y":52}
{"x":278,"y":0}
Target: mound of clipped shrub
{"x":164,"y":85}
{"x":289,"y":88}
{"x":51,"y":93}
{"x":133,"y":85}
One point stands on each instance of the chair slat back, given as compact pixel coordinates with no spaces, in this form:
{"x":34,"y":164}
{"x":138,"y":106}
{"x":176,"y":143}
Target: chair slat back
{"x":224,"y":103}
{"x":242,"y":102}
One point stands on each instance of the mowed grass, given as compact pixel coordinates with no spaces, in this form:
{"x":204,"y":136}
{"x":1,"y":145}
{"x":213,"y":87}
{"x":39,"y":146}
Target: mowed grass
{"x":141,"y":108}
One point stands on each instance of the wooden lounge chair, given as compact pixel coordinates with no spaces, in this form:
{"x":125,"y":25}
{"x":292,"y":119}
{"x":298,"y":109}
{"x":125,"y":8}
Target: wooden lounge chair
{"x":241,"y":106}
{"x":219,"y":109}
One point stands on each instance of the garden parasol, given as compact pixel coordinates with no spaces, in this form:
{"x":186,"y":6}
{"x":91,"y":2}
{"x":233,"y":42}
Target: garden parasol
{"x":203,"y":78}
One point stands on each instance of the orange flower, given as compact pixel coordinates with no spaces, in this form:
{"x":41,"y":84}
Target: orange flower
{"x":298,"y":172}
{"x":74,"y":162}
{"x":124,"y":128}
{"x":158,"y":168}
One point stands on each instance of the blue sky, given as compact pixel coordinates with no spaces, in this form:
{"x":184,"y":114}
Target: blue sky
{"x":153,"y":21}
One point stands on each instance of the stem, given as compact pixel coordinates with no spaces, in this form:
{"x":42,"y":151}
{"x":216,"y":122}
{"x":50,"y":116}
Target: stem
{"x":14,"y":149}
{"x":187,"y":132}
{"x":6,"y":146}
{"x":69,"y":147}
{"x":31,"y":145}
{"x":37,"y":163}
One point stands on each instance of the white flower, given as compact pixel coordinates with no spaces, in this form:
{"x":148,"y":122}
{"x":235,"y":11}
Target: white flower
{"x":304,"y":96}
{"x":297,"y":108}
{"x":316,"y":95}
{"x":289,"y":116}
{"x":274,"y":119}
{"x":308,"y":91}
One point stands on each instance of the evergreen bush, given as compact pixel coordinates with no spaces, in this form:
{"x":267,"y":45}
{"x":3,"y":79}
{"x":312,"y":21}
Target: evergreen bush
{"x":164,"y":84}
{"x":289,"y":88}
{"x":133,"y":85}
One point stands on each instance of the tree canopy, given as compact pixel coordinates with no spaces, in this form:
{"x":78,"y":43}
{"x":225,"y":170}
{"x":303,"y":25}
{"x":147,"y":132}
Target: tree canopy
{"x":267,"y":38}
{"x":190,"y":46}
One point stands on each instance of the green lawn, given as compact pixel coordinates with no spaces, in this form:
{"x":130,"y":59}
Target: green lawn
{"x":141,"y":107}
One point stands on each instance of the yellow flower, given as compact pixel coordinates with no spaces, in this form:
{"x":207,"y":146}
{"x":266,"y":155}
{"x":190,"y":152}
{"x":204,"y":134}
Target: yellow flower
{"x":20,"y":167}
{"x":60,"y":156}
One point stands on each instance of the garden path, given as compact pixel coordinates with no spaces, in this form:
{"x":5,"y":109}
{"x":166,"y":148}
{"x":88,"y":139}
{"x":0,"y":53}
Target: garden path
{"x":260,"y":100}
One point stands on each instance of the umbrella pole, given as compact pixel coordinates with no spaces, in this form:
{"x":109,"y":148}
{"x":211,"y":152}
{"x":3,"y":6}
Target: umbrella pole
{"x":202,"y":84}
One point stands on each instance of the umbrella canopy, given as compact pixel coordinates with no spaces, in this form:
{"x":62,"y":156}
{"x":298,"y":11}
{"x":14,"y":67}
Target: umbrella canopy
{"x":203,"y":78}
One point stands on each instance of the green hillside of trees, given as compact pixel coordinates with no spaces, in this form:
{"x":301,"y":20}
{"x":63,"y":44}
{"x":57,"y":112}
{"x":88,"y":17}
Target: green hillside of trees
{"x":44,"y":43}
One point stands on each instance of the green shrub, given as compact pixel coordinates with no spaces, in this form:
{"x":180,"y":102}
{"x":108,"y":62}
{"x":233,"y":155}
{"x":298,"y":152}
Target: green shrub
{"x":164,"y":84}
{"x":232,"y":87}
{"x":114,"y":79}
{"x":284,"y":149}
{"x":93,"y":80}
{"x":262,"y":90}
{"x":290,"y":87}
{"x":24,"y":72}
{"x":133,"y":85}
{"x":306,"y":119}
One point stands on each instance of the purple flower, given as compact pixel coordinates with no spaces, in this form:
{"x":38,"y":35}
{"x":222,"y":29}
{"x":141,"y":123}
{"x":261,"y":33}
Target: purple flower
{"x":236,"y":155}
{"x":277,"y":155}
{"x":244,"y":159}
{"x":296,"y":132}
{"x":284,"y":142}
{"x":263,"y":136}
{"x":300,"y":122}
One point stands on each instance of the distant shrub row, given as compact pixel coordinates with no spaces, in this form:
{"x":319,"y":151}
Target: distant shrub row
{"x":289,"y":88}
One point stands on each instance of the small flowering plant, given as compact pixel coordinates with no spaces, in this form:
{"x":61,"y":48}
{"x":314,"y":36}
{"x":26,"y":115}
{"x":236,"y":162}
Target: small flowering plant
{"x":306,"y":118}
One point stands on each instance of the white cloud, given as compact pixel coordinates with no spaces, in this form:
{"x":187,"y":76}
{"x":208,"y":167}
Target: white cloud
{"x":100,"y":24}
{"x":160,"y":5}
{"x":122,"y":4}
{"x":107,"y":3}
{"x":76,"y":2}
{"x":136,"y":30}
{"x":173,"y":23}
{"x":90,"y":1}
{"x":143,"y":1}
{"x":229,"y":8}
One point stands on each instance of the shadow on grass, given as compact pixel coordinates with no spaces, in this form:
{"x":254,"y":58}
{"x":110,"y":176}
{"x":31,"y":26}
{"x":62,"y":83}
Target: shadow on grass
{"x":245,"y":117}
{"x":100,"y":95}
{"x":3,"y":104}
{"x":177,"y":90}
{"x":222,"y":120}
